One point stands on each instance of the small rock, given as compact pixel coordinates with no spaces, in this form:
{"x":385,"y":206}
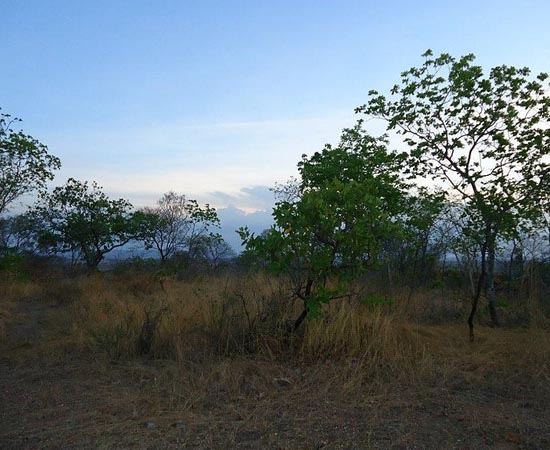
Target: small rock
{"x":150,"y":424}
{"x":282,"y":382}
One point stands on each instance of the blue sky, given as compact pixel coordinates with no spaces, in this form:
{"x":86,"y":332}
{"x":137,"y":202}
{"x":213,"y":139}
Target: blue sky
{"x":218,"y":100}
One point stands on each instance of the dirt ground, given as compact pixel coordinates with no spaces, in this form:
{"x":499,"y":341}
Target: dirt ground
{"x":53,"y":396}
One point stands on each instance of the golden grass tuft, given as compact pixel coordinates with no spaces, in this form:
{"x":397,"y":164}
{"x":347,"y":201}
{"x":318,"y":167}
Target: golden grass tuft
{"x":369,"y":340}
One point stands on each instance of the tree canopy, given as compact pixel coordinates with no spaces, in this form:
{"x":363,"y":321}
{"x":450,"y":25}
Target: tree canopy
{"x":25,"y":164}
{"x":487,"y":137}
{"x":349,"y":198}
{"x":81,"y":219}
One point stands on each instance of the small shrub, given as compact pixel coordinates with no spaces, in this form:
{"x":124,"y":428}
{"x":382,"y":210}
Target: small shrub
{"x":12,"y":267}
{"x":118,"y":339}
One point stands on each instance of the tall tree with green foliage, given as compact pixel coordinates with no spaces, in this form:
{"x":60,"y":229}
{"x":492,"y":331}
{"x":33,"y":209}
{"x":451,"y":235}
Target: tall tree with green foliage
{"x":486,"y":136}
{"x":25,"y":164}
{"x":81,"y":219}
{"x":348,"y":200}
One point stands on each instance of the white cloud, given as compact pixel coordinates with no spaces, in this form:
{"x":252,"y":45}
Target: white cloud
{"x":197,"y":159}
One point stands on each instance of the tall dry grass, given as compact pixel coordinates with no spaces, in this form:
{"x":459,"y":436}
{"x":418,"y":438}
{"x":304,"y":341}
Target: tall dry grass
{"x":214,"y":323}
{"x":215,"y":317}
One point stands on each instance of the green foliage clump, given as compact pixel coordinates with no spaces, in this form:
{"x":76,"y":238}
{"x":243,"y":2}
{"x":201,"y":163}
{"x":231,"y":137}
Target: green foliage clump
{"x":82,"y":220}
{"x":25,"y":163}
{"x":330,"y":226}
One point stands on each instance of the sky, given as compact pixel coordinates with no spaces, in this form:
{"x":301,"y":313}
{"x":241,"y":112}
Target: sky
{"x":218,"y":100}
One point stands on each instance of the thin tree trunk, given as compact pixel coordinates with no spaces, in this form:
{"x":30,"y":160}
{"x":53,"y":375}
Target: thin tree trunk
{"x":477,"y":292}
{"x":300,"y":319}
{"x":491,"y":296}
{"x":305,"y":298}
{"x":511,"y":269}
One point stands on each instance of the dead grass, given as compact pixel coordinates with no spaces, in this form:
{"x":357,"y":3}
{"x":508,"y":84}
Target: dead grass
{"x":14,"y":291}
{"x":212,"y":318}
{"x":198,"y":324}
{"x":220,"y":358}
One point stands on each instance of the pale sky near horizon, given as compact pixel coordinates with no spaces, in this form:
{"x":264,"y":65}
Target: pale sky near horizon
{"x":218,"y":100}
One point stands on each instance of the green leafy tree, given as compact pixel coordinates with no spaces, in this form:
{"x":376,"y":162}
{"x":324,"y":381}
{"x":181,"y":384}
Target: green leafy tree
{"x":80,"y":219}
{"x":348,"y":200}
{"x":486,"y":136}
{"x":17,"y":234}
{"x":25,"y":164}
{"x":178,"y":224}
{"x":414,"y":254}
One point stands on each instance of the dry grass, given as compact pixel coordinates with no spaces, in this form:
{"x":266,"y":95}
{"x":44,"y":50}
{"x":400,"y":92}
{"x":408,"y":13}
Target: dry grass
{"x":205,"y":319}
{"x":202,"y":322}
{"x":120,"y":350}
{"x":12,"y":292}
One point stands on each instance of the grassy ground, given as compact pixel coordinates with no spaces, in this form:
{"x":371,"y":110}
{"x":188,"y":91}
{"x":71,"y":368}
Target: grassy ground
{"x":137,"y":362}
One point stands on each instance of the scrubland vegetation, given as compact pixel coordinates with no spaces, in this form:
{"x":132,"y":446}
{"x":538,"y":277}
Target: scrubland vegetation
{"x":142,"y":359}
{"x":341,"y":326}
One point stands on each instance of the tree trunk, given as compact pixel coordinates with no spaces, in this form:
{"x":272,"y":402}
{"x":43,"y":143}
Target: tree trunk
{"x":511,"y":269}
{"x":305,"y":298}
{"x":300,"y":319}
{"x":491,"y":297}
{"x":477,"y":293}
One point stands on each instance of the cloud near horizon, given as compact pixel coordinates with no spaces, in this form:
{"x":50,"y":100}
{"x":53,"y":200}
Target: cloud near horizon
{"x":215,"y":162}
{"x":249,"y":199}
{"x":232,"y":218}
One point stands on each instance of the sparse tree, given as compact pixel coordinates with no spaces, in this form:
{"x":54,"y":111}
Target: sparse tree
{"x":178,"y":224}
{"x":215,"y":250}
{"x":81,"y":219}
{"x":417,"y":249}
{"x":487,"y":137}
{"x":25,"y":164}
{"x":17,"y":234}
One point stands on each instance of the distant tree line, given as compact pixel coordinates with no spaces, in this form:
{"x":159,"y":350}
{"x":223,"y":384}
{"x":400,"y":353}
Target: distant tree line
{"x":80,"y":221}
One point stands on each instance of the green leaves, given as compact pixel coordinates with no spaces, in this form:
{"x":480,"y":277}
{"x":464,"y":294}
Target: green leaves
{"x":79,"y":218}
{"x":25,"y":164}
{"x":349,"y":199}
{"x":485,"y":137}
